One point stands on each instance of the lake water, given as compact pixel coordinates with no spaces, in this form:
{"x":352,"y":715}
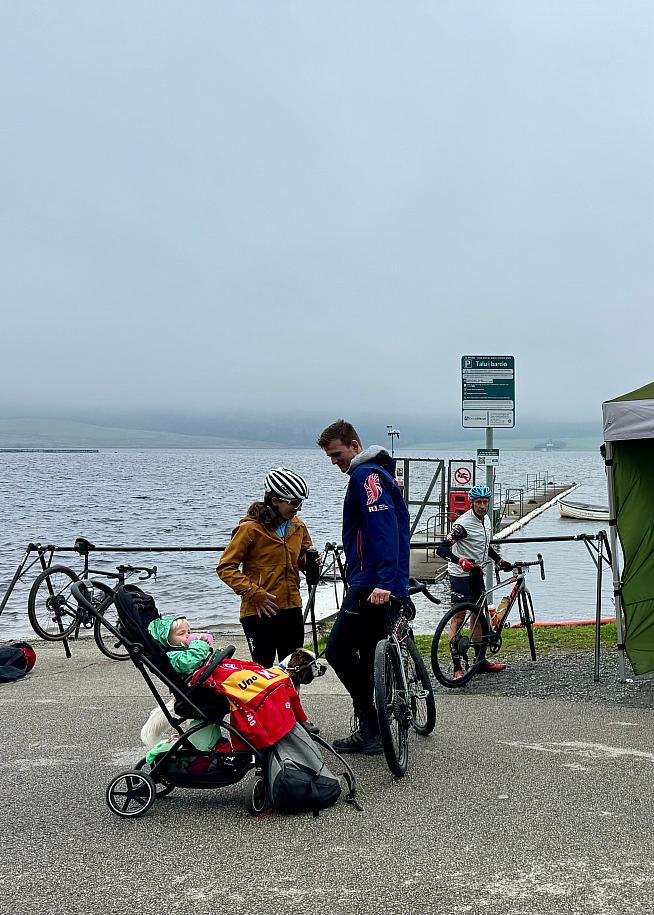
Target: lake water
{"x":195,"y":498}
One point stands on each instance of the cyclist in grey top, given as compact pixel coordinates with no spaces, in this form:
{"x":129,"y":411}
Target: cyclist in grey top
{"x":467,"y":547}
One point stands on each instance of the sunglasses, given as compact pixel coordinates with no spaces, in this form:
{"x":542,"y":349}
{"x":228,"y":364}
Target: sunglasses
{"x":294,"y":503}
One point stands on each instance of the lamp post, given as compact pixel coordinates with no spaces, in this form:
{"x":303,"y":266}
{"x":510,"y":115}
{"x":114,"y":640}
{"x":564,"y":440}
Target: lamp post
{"x":392,"y":434}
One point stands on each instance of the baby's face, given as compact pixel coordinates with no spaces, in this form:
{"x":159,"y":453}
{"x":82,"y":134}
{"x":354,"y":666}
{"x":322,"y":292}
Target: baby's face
{"x":179,"y":633}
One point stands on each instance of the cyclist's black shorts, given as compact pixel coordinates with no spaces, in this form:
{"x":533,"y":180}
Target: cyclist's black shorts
{"x":466,"y":589}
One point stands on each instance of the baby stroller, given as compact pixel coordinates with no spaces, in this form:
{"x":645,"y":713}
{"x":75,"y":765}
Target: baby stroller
{"x":132,"y":793}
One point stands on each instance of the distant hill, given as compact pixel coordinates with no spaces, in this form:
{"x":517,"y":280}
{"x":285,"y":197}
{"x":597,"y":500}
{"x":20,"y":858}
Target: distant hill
{"x":285,"y":430}
{"x":60,"y":433}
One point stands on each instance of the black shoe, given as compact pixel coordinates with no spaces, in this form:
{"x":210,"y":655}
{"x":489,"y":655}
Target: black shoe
{"x":363,"y":739}
{"x":311,"y":727}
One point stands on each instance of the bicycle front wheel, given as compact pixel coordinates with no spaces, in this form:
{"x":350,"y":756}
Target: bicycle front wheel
{"x":109,"y":644}
{"x":392,"y":709}
{"x":459,"y":645}
{"x":52,"y":610}
{"x":421,"y":693}
{"x":527,"y":615}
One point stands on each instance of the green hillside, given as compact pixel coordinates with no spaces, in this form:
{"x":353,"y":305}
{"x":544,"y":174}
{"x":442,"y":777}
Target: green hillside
{"x":59,"y":433}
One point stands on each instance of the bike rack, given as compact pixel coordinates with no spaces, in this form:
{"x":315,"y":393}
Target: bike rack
{"x":598,"y":556}
{"x":599,"y":553}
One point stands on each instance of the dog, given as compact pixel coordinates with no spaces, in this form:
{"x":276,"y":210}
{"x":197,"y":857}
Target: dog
{"x":303,"y":667}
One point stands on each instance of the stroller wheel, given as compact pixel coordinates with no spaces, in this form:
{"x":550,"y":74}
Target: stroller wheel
{"x":258,"y":802}
{"x":131,"y":793}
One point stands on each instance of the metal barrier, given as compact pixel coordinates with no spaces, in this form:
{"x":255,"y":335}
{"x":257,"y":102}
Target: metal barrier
{"x":599,"y":554}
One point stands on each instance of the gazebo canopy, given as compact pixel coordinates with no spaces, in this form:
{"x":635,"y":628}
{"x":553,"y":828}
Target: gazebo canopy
{"x":630,"y":416}
{"x":629,"y":434}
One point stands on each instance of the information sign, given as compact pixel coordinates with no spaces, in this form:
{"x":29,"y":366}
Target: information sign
{"x":488,"y":391}
{"x":488,"y":457}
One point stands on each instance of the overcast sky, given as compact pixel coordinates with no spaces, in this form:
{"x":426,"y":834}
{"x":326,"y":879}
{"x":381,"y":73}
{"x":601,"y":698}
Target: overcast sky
{"x":212,"y":205}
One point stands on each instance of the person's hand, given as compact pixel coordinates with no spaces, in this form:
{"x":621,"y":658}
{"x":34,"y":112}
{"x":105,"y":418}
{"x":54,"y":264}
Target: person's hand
{"x":504,"y":565}
{"x":200,"y":637}
{"x":267,"y":607}
{"x":467,"y":564}
{"x":379,"y":596}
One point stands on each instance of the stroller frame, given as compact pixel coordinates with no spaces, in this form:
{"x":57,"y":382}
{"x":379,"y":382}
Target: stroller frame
{"x":131,"y":793}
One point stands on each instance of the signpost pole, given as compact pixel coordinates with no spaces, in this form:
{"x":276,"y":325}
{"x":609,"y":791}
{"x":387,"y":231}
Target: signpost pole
{"x":488,"y":401}
{"x":489,"y":483}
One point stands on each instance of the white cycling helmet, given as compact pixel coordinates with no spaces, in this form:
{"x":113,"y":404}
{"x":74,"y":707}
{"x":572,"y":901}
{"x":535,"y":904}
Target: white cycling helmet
{"x":285,"y":484}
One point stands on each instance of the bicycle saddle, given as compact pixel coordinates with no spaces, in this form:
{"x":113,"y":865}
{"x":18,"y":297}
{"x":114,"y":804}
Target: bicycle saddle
{"x":82,"y":545}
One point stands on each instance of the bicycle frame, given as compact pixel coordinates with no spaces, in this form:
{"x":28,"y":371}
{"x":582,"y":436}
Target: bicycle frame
{"x":24,"y":568}
{"x":396,"y":638}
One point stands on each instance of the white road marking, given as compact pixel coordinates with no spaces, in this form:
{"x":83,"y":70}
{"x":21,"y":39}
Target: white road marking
{"x":581,"y":748}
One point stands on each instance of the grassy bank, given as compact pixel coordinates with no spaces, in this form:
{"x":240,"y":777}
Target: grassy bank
{"x":546,"y":638}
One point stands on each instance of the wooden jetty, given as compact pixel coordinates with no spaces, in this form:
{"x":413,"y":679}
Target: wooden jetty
{"x":426,"y":565}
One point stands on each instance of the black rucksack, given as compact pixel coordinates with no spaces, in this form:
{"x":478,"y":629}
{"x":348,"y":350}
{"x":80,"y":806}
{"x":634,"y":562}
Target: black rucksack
{"x":298,"y":779}
{"x":15,"y":661}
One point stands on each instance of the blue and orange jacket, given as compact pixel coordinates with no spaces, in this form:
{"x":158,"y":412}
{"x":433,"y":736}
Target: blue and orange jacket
{"x":375,"y":525}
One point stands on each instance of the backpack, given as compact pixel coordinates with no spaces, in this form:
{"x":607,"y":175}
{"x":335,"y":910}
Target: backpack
{"x":15,"y":661}
{"x":298,"y":779}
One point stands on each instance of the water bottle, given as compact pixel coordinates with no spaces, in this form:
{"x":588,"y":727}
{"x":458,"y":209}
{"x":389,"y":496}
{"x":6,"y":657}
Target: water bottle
{"x":500,"y":612}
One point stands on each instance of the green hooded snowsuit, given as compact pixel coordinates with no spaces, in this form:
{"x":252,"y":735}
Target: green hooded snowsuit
{"x":185,"y":659}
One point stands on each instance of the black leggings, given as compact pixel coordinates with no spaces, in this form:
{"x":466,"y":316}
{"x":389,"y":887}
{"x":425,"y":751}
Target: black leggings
{"x":269,"y":635}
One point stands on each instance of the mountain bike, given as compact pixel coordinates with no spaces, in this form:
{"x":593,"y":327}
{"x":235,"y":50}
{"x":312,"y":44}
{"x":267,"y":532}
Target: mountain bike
{"x":55,"y":614}
{"x":404,"y":697}
{"x":469,"y":631}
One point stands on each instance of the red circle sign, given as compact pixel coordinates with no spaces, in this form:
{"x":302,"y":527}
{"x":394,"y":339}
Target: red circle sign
{"x":463,"y":476}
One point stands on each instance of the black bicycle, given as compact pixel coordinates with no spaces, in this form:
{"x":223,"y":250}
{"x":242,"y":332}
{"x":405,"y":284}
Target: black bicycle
{"x":55,"y":614}
{"x":469,"y":631}
{"x":404,"y":696}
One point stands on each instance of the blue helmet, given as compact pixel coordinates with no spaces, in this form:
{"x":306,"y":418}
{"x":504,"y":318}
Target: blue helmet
{"x":479,"y":492}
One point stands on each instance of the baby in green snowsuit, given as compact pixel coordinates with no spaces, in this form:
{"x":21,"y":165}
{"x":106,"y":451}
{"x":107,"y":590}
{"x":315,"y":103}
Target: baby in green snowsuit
{"x":187,"y":651}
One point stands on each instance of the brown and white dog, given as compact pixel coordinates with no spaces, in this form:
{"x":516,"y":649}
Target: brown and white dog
{"x":303,"y":667}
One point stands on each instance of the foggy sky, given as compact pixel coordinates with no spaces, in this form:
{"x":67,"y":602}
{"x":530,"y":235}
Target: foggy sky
{"x":223,"y":205}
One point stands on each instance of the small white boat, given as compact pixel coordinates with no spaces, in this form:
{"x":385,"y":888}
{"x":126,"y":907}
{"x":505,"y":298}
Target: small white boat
{"x":584,"y":511}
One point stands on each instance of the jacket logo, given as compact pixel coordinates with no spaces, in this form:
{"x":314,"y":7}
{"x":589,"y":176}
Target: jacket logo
{"x":248,"y":681}
{"x":373,"y":488}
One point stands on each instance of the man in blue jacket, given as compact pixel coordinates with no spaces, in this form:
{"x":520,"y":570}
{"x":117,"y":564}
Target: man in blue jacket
{"x":376,"y":547}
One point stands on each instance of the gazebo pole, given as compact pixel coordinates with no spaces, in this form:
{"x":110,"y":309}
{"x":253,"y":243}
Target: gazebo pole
{"x":613,"y":536}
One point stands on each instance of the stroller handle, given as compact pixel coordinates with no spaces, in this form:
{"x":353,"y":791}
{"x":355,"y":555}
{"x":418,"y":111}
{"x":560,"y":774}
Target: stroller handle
{"x":77,"y":590}
{"x":217,"y":659}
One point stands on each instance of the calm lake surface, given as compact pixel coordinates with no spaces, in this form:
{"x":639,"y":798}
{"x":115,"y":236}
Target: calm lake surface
{"x":195,"y":498}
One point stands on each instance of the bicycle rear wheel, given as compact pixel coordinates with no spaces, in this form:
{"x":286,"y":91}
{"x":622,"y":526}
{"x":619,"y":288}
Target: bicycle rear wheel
{"x":107,"y":642}
{"x":392,"y":709}
{"x":421,"y":693}
{"x":52,"y":610}
{"x":459,"y":645}
{"x":527,"y":617}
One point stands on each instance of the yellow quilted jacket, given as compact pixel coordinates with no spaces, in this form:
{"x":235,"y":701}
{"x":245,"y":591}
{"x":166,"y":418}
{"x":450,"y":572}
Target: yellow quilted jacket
{"x":258,"y":561}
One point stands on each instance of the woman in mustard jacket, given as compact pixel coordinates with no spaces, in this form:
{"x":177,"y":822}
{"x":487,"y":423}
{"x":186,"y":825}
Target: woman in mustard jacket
{"x":262,"y":563}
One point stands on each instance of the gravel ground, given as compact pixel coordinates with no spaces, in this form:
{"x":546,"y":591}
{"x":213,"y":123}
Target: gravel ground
{"x":561,"y":674}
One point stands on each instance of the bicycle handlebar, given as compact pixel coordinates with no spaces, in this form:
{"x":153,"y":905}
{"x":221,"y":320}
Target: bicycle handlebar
{"x":149,"y":571}
{"x":518,"y":566}
{"x":420,"y":587}
{"x":415,"y":587}
{"x":333,"y":548}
